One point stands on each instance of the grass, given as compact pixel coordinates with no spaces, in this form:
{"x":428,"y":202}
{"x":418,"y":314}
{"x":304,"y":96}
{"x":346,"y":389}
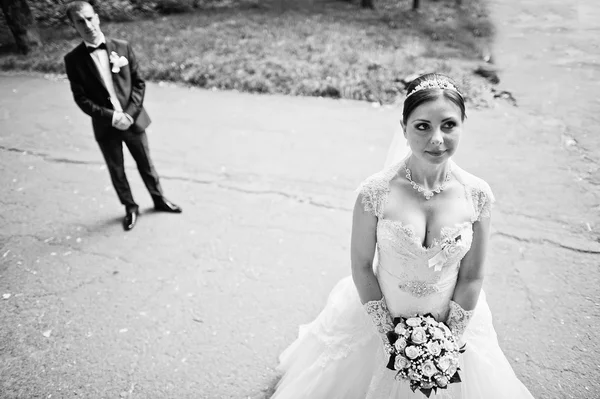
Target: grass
{"x":327,"y":48}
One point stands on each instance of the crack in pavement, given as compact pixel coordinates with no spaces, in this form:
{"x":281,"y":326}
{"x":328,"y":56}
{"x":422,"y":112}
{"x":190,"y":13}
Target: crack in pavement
{"x":546,"y":241}
{"x":528,"y":293}
{"x":101,"y":255}
{"x":296,"y":198}
{"x":533,"y":217}
{"x":309,"y":201}
{"x":293,"y":197}
{"x":50,"y":241}
{"x":287,"y":229}
{"x":47,"y":157}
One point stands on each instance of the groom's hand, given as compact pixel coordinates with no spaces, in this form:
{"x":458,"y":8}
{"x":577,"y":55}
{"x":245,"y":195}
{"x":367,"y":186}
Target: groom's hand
{"x":121,"y":120}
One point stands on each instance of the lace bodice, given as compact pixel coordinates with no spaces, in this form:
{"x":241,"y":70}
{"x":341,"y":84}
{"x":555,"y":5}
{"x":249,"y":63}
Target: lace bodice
{"x":414,"y":278}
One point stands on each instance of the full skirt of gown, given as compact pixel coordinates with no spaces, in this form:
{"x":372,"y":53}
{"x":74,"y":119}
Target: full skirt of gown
{"x":340,"y":356}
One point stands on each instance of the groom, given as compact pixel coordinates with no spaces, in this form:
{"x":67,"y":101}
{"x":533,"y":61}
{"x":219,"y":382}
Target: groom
{"x":106,"y":85}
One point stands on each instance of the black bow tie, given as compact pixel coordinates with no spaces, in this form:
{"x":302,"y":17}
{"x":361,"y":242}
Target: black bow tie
{"x":100,"y":46}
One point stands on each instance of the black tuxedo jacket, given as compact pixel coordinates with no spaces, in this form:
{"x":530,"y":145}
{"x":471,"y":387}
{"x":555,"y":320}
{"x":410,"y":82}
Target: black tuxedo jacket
{"x":91,"y":95}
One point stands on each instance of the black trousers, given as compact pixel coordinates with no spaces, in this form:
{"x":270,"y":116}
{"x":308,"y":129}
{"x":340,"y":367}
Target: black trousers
{"x":137,"y":143}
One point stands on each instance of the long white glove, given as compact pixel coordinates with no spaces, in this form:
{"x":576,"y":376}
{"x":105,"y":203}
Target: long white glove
{"x":458,"y":319}
{"x":382,"y":320}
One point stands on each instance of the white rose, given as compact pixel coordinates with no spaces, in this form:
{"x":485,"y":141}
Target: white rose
{"x":411,"y":352}
{"x":429,"y":369}
{"x":399,"y":329}
{"x":413,"y":375}
{"x":441,"y":381}
{"x":434,"y":348}
{"x":401,"y":363}
{"x":400,"y":344}
{"x":438,"y":334}
{"x":450,"y":250}
{"x":452,"y":370}
{"x":449,"y":345}
{"x":444,"y":363}
{"x":418,"y":335}
{"x":414,"y":321}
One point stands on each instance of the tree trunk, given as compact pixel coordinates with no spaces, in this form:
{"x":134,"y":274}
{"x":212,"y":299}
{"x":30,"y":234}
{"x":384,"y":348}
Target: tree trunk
{"x":21,"y":23}
{"x":367,"y":4}
{"x":416,"y":4}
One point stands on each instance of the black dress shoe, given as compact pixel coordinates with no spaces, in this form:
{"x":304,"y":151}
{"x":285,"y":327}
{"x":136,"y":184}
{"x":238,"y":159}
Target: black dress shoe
{"x":130,"y":219}
{"x":164,"y":205}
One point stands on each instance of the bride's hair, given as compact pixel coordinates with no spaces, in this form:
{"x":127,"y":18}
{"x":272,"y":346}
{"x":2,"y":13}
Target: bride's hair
{"x":431,"y":93}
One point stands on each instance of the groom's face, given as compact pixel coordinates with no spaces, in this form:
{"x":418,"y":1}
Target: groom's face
{"x":87,"y":24}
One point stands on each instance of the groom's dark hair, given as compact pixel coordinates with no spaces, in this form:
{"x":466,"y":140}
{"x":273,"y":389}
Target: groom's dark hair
{"x":75,"y":6}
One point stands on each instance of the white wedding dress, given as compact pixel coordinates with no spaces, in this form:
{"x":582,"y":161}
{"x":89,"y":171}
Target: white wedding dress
{"x":340,"y":355}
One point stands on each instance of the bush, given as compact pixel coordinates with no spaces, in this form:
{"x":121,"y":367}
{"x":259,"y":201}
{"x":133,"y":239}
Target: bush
{"x":115,"y":10}
{"x":331,"y":51}
{"x":52,"y":12}
{"x":49,"y":12}
{"x":174,"y":6}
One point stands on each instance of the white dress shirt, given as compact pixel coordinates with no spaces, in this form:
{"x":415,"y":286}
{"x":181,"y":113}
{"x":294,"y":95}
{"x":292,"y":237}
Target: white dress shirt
{"x":100,"y":58}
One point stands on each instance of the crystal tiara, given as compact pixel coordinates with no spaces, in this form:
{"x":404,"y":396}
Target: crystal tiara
{"x":434,"y":84}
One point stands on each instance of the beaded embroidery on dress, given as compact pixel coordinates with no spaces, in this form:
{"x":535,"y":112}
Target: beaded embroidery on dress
{"x":340,"y":356}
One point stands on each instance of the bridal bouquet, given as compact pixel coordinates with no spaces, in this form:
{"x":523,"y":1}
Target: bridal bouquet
{"x":424,"y":352}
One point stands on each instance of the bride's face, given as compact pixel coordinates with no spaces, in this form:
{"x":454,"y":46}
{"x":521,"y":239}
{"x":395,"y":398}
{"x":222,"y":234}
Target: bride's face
{"x":433,"y":130}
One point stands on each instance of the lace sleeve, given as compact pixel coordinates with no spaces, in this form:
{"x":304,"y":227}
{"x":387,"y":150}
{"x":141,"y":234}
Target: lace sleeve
{"x":380,"y":315}
{"x":458,"y":319}
{"x":373,"y":192}
{"x":382,"y":320}
{"x":485,"y":200}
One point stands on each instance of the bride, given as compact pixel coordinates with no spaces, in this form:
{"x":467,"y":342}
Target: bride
{"x":419,"y":238}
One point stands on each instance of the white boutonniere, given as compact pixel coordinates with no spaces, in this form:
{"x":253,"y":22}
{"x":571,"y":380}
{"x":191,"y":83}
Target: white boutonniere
{"x":449,"y":247}
{"x":117,"y":61}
